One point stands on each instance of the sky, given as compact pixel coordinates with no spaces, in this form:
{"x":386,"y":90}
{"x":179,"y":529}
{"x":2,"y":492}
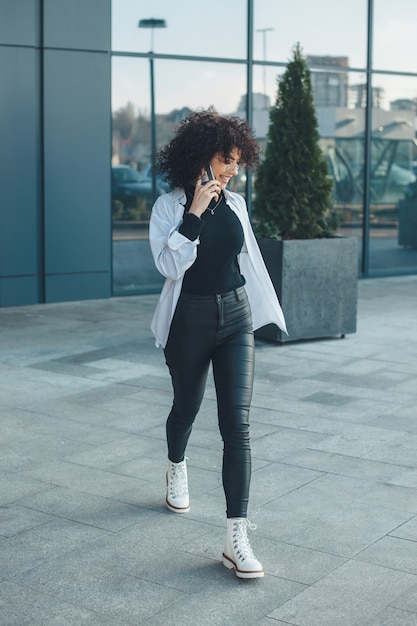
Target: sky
{"x":218,"y":29}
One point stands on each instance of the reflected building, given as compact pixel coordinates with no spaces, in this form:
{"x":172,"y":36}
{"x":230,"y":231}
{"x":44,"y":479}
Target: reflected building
{"x":404,"y":104}
{"x":261,"y":104}
{"x":330,"y":86}
{"x":359,"y":95}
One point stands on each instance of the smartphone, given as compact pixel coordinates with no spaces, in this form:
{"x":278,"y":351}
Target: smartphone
{"x":208,"y":175}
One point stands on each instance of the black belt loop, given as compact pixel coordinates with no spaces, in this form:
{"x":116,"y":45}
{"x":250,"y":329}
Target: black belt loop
{"x":237,"y":295}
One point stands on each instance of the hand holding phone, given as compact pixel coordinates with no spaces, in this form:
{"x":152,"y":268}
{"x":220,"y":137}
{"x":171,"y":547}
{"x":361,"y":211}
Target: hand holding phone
{"x":208,"y":175}
{"x":204,"y":192}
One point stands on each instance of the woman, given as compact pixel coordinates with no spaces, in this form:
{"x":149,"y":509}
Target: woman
{"x":217,"y":291}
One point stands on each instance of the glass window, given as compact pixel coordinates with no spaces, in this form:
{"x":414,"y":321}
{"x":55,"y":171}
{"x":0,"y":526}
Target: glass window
{"x":394,"y":39}
{"x":220,"y":85}
{"x":340,"y":107}
{"x":322,"y":27}
{"x":216,"y":28}
{"x":393,"y":211}
{"x":131,"y":184}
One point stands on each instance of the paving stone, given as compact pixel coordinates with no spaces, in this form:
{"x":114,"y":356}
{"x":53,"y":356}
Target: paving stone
{"x":269,"y":621}
{"x":133,"y":418}
{"x":376,"y":446}
{"x":13,"y":487}
{"x":317,"y":424}
{"x":101,"y":394}
{"x":285,"y":404}
{"x":25,"y":454}
{"x":71,"y":430}
{"x":392,"y":617}
{"x":393,"y":552}
{"x":25,"y":607}
{"x":344,"y":465}
{"x":44,"y":543}
{"x":363,"y":411}
{"x":293,"y":562}
{"x":80,"y":478}
{"x":276,"y":479}
{"x":277,"y":444}
{"x":408,"y":530}
{"x":15,"y":519}
{"x":139,"y":552}
{"x":230,"y":601}
{"x":349,"y":531}
{"x":401,"y":419}
{"x":376,"y":493}
{"x":352,"y":594}
{"x":116,"y":595}
{"x":407,"y":601}
{"x":297,"y":388}
{"x":122,"y":448}
{"x":104,"y":513}
{"x":86,"y":415}
{"x":332,"y":399}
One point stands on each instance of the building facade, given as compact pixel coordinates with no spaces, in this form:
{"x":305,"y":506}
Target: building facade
{"x":92,"y":88}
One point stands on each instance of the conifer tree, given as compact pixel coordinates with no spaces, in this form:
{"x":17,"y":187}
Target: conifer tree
{"x":293,"y":187}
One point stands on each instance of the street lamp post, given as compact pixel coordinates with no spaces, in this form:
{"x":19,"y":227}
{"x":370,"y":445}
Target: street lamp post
{"x":264,"y":31}
{"x":152,"y":23}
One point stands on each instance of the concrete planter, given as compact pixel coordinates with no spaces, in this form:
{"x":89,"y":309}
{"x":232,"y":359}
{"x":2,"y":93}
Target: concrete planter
{"x":316,"y":281}
{"x":407,"y":226}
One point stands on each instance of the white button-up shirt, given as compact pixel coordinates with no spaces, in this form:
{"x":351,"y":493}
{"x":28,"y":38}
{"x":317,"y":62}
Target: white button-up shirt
{"x":173,"y":254}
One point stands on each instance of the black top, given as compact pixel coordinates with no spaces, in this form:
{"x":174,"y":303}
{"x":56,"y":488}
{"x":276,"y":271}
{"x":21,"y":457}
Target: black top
{"x":216,"y":268}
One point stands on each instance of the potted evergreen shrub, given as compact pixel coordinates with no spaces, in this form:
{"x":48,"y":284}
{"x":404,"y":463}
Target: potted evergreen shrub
{"x":314,"y":272}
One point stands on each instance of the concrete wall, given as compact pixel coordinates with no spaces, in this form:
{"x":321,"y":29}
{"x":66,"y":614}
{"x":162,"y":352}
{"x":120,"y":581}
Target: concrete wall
{"x":55,"y":138}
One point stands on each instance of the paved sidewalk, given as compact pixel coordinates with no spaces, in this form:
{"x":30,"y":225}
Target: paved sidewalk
{"x":84,"y":534}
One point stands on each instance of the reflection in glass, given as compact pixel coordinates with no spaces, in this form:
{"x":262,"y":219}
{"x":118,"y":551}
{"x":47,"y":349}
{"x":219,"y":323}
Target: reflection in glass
{"x":393,"y":210}
{"x":341,"y":124}
{"x":394,"y":39}
{"x":322,"y":27}
{"x":215,"y":29}
{"x":219,"y":85}
{"x":131,"y":143}
{"x":336,"y":53}
{"x":131,"y":180}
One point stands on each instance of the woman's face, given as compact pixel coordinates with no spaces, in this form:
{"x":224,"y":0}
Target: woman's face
{"x":224,"y":170}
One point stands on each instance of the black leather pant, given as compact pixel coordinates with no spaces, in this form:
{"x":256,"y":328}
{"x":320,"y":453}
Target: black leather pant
{"x":216,"y":329}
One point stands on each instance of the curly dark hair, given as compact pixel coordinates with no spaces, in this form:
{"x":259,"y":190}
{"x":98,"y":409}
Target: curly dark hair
{"x":197,"y":139}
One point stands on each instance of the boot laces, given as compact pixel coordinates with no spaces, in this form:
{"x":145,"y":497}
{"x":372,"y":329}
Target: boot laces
{"x":241,"y":543}
{"x":178,"y":483}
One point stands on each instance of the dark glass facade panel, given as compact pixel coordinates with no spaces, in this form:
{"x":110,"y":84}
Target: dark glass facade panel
{"x":394,"y":35}
{"x":393,"y":208}
{"x":216,"y":29}
{"x":323,"y":28}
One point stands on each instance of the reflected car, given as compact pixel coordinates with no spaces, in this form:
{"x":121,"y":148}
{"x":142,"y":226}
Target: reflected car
{"x":127,"y":183}
{"x":161,"y":185}
{"x":402,"y":177}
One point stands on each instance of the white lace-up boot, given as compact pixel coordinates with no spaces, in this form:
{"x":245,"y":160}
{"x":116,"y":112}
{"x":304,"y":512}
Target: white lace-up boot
{"x":177,"y":499}
{"x":238,"y":553}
